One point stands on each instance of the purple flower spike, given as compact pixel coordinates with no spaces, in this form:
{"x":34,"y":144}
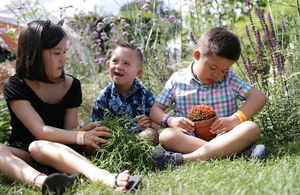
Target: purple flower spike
{"x":192,"y":38}
{"x":125,"y":33}
{"x":105,"y":20}
{"x":248,"y":3}
{"x":145,"y":6}
{"x":171,"y":17}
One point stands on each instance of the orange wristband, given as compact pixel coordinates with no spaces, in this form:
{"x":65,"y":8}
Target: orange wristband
{"x":80,"y":137}
{"x":240,"y":115}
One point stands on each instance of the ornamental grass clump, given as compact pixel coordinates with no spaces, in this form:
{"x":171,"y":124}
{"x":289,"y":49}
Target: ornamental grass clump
{"x":125,"y":151}
{"x":201,"y":112}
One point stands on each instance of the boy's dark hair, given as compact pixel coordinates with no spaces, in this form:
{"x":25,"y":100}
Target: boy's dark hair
{"x":134,"y":48}
{"x":33,"y":39}
{"x":221,"y":42}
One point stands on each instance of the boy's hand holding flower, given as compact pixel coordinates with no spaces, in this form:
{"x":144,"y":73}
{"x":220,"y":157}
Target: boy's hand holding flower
{"x":224,"y":124}
{"x":181,"y":123}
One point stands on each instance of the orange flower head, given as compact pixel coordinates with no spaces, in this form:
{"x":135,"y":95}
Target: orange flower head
{"x":201,"y":112}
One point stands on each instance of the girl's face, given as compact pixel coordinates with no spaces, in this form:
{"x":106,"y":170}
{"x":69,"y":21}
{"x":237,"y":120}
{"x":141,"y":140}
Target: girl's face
{"x":124,"y":66}
{"x":54,"y":59}
{"x":210,"y":69}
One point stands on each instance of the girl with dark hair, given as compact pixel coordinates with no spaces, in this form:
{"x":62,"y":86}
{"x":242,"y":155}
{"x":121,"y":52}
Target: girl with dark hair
{"x":43,"y":102}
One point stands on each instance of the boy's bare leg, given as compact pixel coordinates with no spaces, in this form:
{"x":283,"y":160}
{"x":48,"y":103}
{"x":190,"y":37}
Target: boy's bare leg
{"x":230,"y":143}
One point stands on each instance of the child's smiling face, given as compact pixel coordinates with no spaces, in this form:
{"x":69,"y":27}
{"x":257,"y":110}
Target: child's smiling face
{"x":124,"y":66}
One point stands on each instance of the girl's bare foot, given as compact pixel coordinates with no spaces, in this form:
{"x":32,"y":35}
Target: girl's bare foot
{"x":120,"y":180}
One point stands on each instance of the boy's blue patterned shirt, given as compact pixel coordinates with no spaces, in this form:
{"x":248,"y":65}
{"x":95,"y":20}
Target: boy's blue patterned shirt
{"x":139,"y":101}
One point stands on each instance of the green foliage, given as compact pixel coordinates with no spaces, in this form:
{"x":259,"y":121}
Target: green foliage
{"x":125,"y":151}
{"x":166,"y":47}
{"x":4,"y":131}
{"x":156,"y":29}
{"x":201,"y":14}
{"x":89,"y":92}
{"x":279,"y":120}
{"x":4,"y":120}
{"x":269,"y":61}
{"x":162,"y":34}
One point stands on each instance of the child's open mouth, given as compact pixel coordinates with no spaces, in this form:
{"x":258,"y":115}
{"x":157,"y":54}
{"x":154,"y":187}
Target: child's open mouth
{"x":118,"y":74}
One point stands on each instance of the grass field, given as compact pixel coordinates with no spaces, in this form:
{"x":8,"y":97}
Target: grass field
{"x":240,"y":176}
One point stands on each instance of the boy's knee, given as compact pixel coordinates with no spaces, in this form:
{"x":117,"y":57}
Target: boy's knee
{"x":252,"y":128}
{"x":166,"y":135}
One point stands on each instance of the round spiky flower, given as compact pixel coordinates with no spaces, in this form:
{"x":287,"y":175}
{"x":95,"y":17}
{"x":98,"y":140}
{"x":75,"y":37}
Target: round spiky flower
{"x":201,"y":112}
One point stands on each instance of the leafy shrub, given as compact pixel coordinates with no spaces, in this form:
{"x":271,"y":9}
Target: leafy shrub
{"x":269,"y":56}
{"x":4,"y":122}
{"x":267,"y":62}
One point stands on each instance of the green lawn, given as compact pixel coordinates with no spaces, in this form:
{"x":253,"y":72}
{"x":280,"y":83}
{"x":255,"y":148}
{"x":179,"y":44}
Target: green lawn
{"x":276,"y":175}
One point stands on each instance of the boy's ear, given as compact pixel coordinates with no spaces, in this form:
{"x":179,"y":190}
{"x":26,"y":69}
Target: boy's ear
{"x":139,"y":72}
{"x":197,"y":54}
{"x":107,"y":64}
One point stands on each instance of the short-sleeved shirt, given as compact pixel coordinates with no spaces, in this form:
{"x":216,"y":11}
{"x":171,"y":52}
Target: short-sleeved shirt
{"x":52,"y":114}
{"x":184,"y":91}
{"x":110,"y":101}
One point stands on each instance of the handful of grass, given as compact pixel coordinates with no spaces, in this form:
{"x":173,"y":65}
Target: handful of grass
{"x":125,"y":151}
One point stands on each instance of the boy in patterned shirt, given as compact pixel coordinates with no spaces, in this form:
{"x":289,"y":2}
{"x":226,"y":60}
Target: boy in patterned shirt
{"x":125,"y":95}
{"x":209,"y":80}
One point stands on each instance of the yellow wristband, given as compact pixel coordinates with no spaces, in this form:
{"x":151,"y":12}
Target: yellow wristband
{"x":240,"y":115}
{"x":80,"y":137}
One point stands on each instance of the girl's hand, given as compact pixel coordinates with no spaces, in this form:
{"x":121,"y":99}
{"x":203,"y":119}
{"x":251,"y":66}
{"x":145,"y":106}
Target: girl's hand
{"x":91,"y":126}
{"x":144,"y":121}
{"x":224,"y":124}
{"x":96,"y":136}
{"x":181,"y":123}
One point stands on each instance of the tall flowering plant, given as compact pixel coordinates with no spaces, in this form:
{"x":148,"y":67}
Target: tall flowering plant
{"x":201,"y":112}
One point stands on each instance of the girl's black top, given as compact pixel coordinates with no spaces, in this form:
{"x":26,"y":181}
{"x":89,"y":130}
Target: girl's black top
{"x":52,"y":114}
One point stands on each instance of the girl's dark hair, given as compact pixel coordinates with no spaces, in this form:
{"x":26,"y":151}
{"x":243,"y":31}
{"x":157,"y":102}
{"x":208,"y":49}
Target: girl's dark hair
{"x":33,"y":39}
{"x":221,"y":42}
